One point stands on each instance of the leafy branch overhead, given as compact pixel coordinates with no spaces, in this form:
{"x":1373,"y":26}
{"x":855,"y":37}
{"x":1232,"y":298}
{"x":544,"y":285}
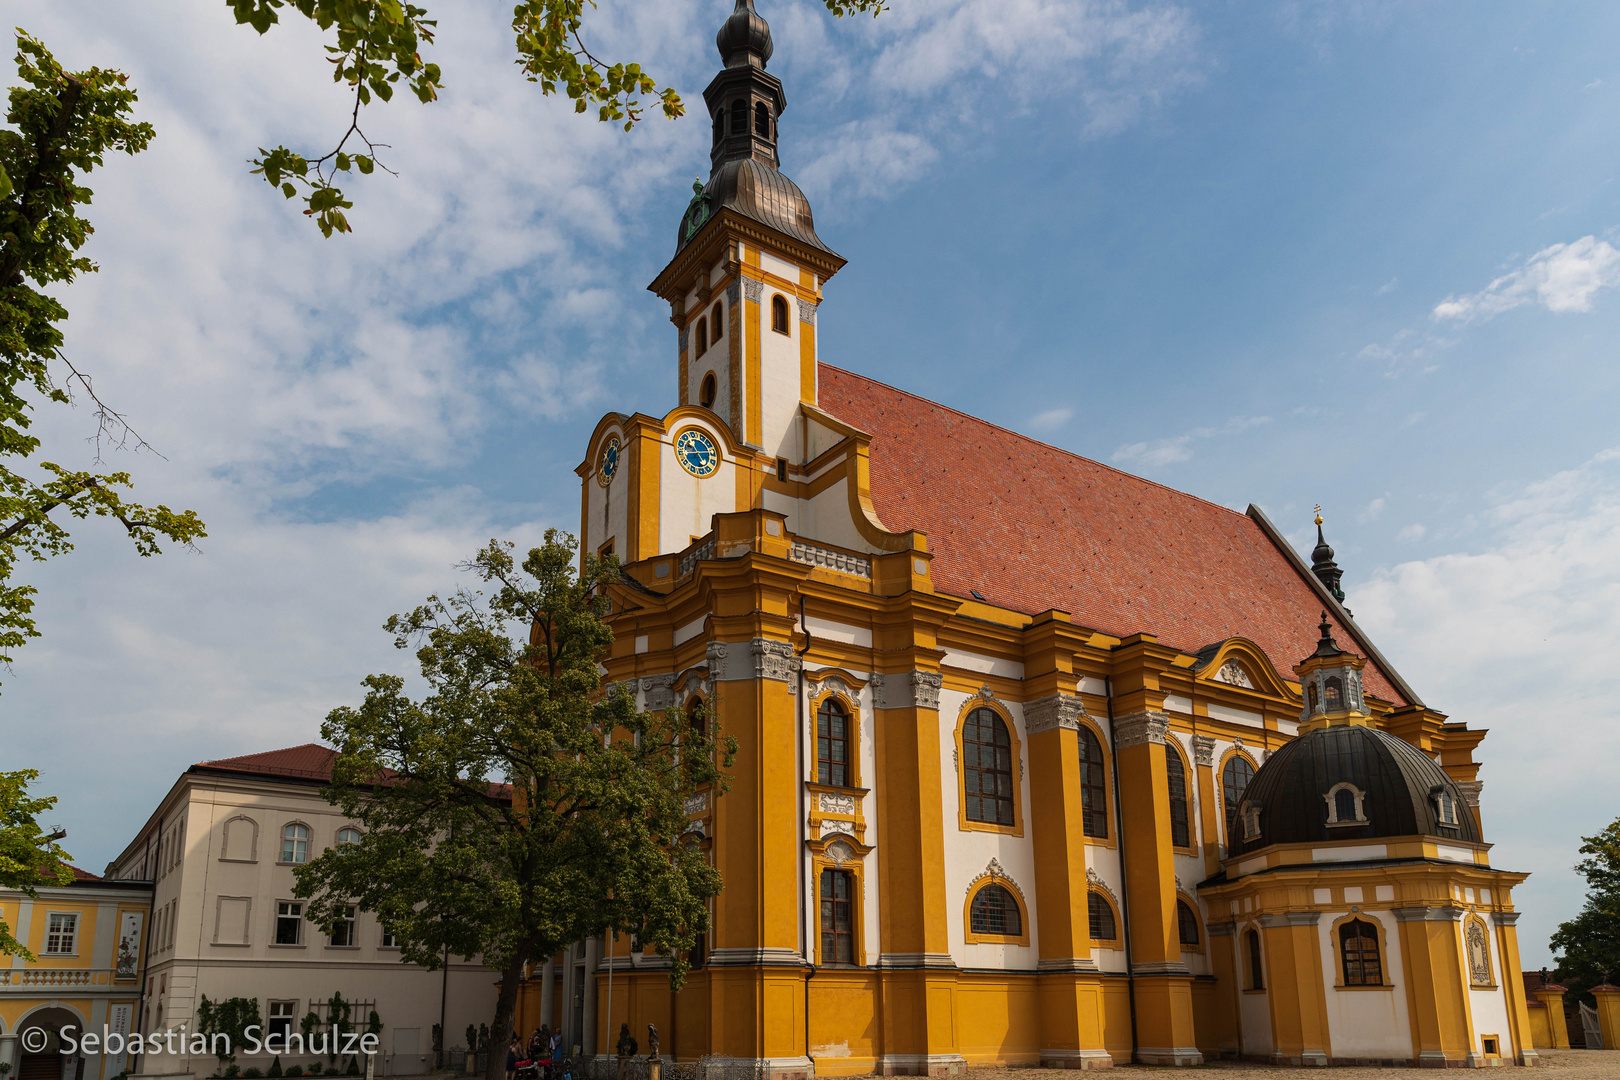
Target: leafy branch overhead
{"x":61,"y":126}
{"x":29,"y":857}
{"x":378,"y":48}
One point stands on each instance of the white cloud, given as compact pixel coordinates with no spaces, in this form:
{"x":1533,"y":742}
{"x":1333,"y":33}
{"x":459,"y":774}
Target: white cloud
{"x":1563,"y":277}
{"x":1051,"y":419}
{"x":1519,"y":638}
{"x":1414,"y":531}
{"x":1374,"y":510}
{"x":1162,"y":452}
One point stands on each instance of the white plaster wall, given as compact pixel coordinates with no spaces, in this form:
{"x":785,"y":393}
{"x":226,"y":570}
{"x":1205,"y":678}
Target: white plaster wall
{"x":967,"y":853}
{"x":779,"y":379}
{"x":686,"y":503}
{"x":787,"y":506}
{"x":827,"y":518}
{"x":716,"y":359}
{"x":984,"y":665}
{"x":821,"y":439}
{"x":1367,"y":1023}
{"x":780,"y":267}
{"x":1490,"y":1009}
{"x":1254,"y":1010}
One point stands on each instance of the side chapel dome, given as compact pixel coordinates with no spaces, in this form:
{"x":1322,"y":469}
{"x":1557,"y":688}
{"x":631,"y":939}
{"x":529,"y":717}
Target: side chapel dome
{"x":1350,"y":782}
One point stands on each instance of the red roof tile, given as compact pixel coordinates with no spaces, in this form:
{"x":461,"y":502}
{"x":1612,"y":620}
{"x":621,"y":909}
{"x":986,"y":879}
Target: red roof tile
{"x":312,"y":761}
{"x":82,"y":875}
{"x":1033,"y":527}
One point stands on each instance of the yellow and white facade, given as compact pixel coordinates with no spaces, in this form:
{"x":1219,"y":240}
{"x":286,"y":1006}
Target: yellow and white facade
{"x":980,"y":809}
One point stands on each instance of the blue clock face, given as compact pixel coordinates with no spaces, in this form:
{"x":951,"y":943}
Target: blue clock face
{"x":609,"y":465}
{"x":697,"y":452}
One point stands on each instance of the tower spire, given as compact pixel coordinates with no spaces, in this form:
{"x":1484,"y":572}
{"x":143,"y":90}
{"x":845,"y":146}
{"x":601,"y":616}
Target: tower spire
{"x":744,"y":101}
{"x":1322,"y":565}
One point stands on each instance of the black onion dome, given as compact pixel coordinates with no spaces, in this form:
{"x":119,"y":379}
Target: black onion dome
{"x":1398,"y":779}
{"x":755,"y":191}
{"x":745,"y":38}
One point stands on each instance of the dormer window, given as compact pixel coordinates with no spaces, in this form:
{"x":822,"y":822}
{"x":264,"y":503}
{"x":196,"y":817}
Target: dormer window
{"x":1344,"y":805}
{"x":762,"y":120}
{"x":1334,"y":694}
{"x":1445,"y":808}
{"x":1251,"y":821}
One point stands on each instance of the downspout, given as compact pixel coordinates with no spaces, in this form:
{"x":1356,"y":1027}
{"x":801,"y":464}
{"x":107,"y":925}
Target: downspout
{"x":798,"y":758}
{"x":1124,"y":877}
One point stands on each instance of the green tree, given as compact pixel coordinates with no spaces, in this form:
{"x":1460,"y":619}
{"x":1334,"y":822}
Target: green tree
{"x":61,"y":126}
{"x":1588,"y":946}
{"x":29,"y":856}
{"x":377,"y":48}
{"x":230,"y":1018}
{"x":516,"y":808}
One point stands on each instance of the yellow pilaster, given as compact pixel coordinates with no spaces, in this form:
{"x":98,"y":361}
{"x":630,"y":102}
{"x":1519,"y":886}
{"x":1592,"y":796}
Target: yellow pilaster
{"x":1209,"y":807}
{"x":1512,"y":982}
{"x":1435,"y":993}
{"x":1228,"y":1035}
{"x":1294,"y":976}
{"x":1552,"y":998}
{"x":1608,"y":1010}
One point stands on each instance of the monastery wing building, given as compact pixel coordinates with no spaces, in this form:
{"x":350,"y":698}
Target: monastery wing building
{"x":1039,"y":761}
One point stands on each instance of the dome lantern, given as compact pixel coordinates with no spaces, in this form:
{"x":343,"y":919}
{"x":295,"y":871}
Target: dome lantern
{"x":1330,"y":685}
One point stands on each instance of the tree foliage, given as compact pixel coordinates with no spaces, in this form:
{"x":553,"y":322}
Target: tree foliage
{"x":377,"y":48}
{"x":29,"y":858}
{"x":61,"y":126}
{"x":231,"y":1018}
{"x":516,"y":808}
{"x":1587,"y":948}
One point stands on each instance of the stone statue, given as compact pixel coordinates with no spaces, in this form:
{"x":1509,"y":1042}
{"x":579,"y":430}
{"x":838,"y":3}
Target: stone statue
{"x":627,"y":1042}
{"x":652,"y":1041}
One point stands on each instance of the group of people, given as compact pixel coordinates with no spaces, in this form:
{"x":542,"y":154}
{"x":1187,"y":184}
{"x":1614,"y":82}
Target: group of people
{"x":542,"y":1050}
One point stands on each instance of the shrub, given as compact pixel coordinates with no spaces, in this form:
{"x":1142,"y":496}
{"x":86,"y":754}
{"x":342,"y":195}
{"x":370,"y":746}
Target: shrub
{"x":251,"y":1074}
{"x":296,"y":1070}
{"x":232,"y":1072}
{"x":275,"y":1067}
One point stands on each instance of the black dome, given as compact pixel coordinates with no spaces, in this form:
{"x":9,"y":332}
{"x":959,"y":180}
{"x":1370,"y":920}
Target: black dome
{"x":744,"y":38}
{"x":1398,"y":781}
{"x":755,"y":191}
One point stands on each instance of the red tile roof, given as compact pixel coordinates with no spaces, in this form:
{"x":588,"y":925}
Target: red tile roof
{"x":1033,"y":527}
{"x":312,"y":761}
{"x":82,"y":875}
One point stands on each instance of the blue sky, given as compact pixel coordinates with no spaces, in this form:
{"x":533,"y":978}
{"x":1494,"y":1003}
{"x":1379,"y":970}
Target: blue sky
{"x":1359,"y":254}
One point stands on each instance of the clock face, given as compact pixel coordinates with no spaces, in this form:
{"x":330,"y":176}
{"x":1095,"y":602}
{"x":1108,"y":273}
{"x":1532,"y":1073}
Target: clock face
{"x":697,"y":452}
{"x":608,"y":467}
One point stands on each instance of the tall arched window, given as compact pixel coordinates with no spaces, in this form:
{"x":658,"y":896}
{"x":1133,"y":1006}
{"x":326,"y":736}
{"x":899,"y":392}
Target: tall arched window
{"x":739,"y":117}
{"x":702,"y":336}
{"x":837,"y":917}
{"x":1256,"y":973}
{"x":1235,"y":777}
{"x":1093,"y":786}
{"x":987,"y":768}
{"x":1180,"y":829}
{"x":1358,"y":947}
{"x":779,"y":315}
{"x":707,"y":392}
{"x":348,"y":836}
{"x":1102,"y":917}
{"x":994,"y":911}
{"x":1344,"y":804}
{"x":719,"y":125}
{"x":1186,"y":923}
{"x":717,"y":321}
{"x":1333,"y":698}
{"x":295,"y":844}
{"x":832,"y":744}
{"x":762,"y":120}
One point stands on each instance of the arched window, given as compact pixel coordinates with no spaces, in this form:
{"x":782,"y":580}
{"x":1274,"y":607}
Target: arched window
{"x":779,"y":314}
{"x":762,"y":120}
{"x":1256,"y":973}
{"x":1310,"y":695}
{"x":1445,"y":807}
{"x":295,"y":844}
{"x":832,"y":744}
{"x":987,"y":751}
{"x":706,"y":394}
{"x":994,"y":911}
{"x":348,"y":836}
{"x":837,"y":917}
{"x":717,"y":321}
{"x":1358,"y":946}
{"x":1186,"y":923}
{"x":1344,"y":804}
{"x":1102,"y":917}
{"x":739,"y":117}
{"x":1334,"y":696}
{"x":1093,"y":786}
{"x":1180,"y":828}
{"x":702,"y":336}
{"x":1235,"y":777}
{"x":719,"y":125}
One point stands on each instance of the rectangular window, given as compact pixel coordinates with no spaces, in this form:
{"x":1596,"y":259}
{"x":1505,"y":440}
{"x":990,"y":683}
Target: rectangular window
{"x":289,"y":923}
{"x":832,"y":744}
{"x":781,"y":468}
{"x":343,"y":928}
{"x":388,"y":939}
{"x":837,"y":917}
{"x":282,"y":1014}
{"x":62,"y":935}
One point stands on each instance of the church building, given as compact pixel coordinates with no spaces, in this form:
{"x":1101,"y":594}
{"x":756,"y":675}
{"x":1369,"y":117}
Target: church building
{"x":1040,"y":762}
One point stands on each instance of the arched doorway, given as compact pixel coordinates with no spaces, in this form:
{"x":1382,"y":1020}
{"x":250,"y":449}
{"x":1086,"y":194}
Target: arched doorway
{"x":48,"y":1062}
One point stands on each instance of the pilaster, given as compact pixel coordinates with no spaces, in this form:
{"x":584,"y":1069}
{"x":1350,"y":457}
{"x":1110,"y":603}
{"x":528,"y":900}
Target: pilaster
{"x":1299,"y":1028}
{"x":1551,"y":997}
{"x":1512,"y":983}
{"x":1435,"y":993}
{"x":1209,"y":806}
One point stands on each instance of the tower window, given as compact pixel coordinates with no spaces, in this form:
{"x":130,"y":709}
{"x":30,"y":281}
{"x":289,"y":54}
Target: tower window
{"x":1235,"y":777}
{"x":837,"y":917}
{"x":994,"y":911}
{"x":781,"y":469}
{"x":1186,"y":923}
{"x":762,"y":120}
{"x":702,"y":336}
{"x":1334,"y":696}
{"x":832,"y":744}
{"x":1093,"y":789}
{"x":1101,"y":916}
{"x":719,"y":125}
{"x":739,"y":117}
{"x":1358,"y":946}
{"x":1310,"y":696}
{"x":1256,"y":973}
{"x":779,"y":314}
{"x":717,"y":319}
{"x":706,"y":393}
{"x":1180,"y":826}
{"x":987,"y":761}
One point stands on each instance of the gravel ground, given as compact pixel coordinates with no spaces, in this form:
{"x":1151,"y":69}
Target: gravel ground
{"x":1559,"y":1064}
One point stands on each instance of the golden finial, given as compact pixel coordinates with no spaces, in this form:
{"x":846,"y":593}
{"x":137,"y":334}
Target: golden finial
{"x":1318,"y":513}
